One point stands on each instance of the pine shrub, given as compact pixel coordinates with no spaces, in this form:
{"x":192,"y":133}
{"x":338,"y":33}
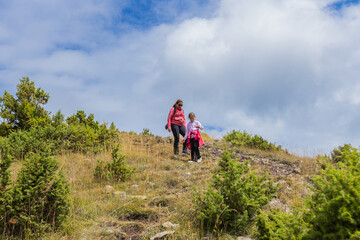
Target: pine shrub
{"x":277,"y":225}
{"x":347,"y":155}
{"x":244,"y":139}
{"x":233,"y":199}
{"x":332,"y":211}
{"x":146,"y":132}
{"x":24,"y":110}
{"x":5,"y":192}
{"x":40,"y":198}
{"x":117,"y":170}
{"x":76,"y":136}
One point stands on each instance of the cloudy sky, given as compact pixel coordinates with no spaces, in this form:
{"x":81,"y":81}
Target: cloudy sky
{"x":285,"y":69}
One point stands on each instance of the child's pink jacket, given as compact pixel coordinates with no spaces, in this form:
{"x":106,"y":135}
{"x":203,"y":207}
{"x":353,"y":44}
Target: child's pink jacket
{"x":197,"y":137}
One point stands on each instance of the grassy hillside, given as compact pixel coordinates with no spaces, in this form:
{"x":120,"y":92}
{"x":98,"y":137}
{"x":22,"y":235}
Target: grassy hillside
{"x":74,"y":178}
{"x":161,"y":188}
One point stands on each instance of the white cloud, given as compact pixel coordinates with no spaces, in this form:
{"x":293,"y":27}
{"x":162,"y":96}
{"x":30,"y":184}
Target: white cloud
{"x":283,"y":69}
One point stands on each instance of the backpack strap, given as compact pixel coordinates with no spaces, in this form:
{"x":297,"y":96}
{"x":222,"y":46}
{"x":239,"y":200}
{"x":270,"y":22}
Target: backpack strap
{"x":173,"y":112}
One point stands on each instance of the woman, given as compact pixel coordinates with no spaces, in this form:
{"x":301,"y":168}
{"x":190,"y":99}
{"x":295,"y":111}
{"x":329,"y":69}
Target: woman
{"x":176,"y":123}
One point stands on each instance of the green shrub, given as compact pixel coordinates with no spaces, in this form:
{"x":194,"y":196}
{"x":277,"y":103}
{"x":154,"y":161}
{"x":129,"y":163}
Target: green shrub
{"x":277,"y":225}
{"x":5,"y":192}
{"x":25,"y":110}
{"x":79,"y":136}
{"x":244,"y":139}
{"x":233,"y":199}
{"x":40,"y":198}
{"x":347,"y":155}
{"x":117,"y":170}
{"x":332,"y":211}
{"x":146,"y":132}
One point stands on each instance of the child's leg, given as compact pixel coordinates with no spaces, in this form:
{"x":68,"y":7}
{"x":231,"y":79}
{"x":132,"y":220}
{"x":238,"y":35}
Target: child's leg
{"x":198,"y":153}
{"x":193,"y":149}
{"x":196,"y":150}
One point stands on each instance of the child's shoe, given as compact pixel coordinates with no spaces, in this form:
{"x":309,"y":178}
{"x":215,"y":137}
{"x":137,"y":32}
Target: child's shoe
{"x":185,"y":153}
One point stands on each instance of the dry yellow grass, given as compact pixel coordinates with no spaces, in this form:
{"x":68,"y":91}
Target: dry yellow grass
{"x":160,"y":190}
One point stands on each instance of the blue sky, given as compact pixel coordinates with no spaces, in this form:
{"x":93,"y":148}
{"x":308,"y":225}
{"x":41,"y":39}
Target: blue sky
{"x":339,"y":5}
{"x":143,"y":14}
{"x":287,"y":70}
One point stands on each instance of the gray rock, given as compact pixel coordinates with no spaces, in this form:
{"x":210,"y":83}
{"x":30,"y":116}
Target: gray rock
{"x":109,"y":188}
{"x":244,"y":238}
{"x":170,"y":225}
{"x":297,"y":171}
{"x":118,"y":193}
{"x":142,"y":197}
{"x":162,"y":235}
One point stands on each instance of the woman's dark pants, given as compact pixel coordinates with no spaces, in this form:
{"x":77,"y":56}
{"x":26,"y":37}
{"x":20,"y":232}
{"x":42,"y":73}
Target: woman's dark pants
{"x":177,"y":130}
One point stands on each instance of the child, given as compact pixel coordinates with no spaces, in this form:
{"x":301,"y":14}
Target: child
{"x":193,"y":138}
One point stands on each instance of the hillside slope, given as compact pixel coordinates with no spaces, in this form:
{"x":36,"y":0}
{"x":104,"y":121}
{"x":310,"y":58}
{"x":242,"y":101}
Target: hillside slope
{"x":161,"y":189}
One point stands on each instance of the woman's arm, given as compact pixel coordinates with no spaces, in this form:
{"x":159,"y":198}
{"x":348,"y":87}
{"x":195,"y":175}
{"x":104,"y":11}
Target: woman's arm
{"x":171,"y":113}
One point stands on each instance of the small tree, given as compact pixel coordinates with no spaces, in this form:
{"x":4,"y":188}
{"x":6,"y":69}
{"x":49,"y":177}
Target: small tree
{"x":332,"y":211}
{"x":146,"y":132}
{"x":5,"y":191}
{"x":244,"y":139}
{"x":277,"y":225}
{"x":40,"y":196}
{"x":25,"y":110}
{"x":234,"y":197}
{"x":117,"y":170}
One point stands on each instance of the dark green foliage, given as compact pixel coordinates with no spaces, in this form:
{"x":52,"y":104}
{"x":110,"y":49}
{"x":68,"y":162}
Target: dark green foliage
{"x":40,"y":198}
{"x":85,"y":134}
{"x":332,"y":211}
{"x":57,"y":119}
{"x":244,"y":139}
{"x":5,"y":191}
{"x":80,"y":135}
{"x":24,"y":111}
{"x":112,"y":127}
{"x":277,"y":225}
{"x":146,"y":132}
{"x":117,"y":170}
{"x":347,"y":155}
{"x":28,"y":127}
{"x":234,"y":197}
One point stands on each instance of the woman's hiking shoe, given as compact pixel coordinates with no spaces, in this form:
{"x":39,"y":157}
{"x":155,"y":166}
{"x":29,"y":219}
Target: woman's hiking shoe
{"x":199,"y":160}
{"x":185,"y":153}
